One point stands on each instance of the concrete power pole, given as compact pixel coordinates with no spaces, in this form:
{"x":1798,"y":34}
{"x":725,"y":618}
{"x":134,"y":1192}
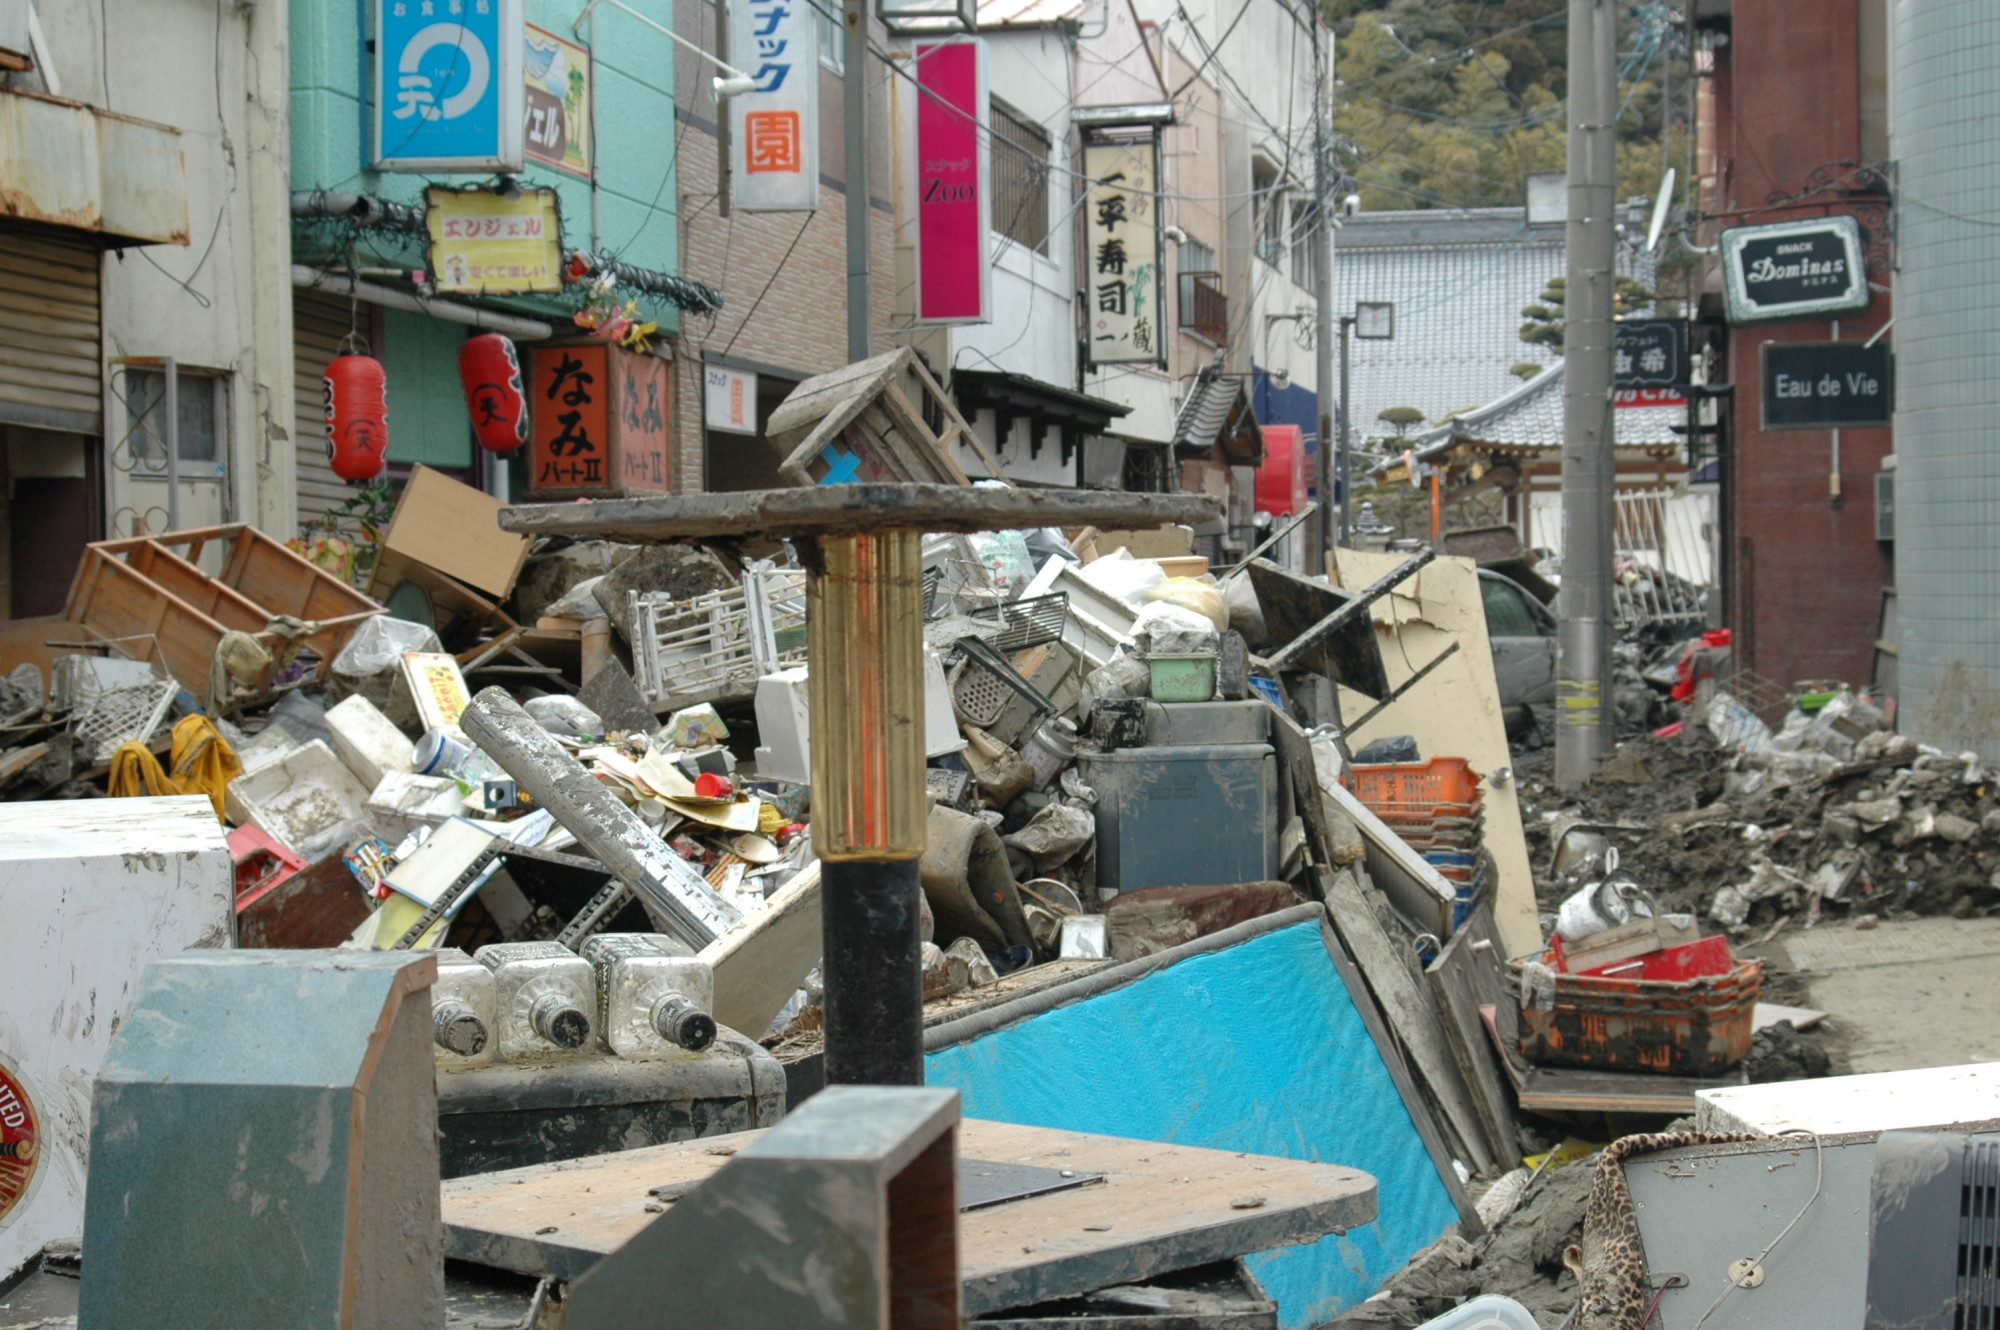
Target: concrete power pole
{"x":1332,"y":446}
{"x":854,"y":106}
{"x":1589,"y":463}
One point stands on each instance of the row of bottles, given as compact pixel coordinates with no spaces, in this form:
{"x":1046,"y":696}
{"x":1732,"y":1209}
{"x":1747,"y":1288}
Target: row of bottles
{"x":634,"y":995}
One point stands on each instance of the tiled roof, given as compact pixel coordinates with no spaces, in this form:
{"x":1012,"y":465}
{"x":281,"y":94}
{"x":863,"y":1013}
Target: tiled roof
{"x":1531,"y":416}
{"x":1458,"y":280}
{"x":1217,"y":409}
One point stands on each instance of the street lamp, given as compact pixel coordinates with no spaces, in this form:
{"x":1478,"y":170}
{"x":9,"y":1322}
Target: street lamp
{"x":1374,"y":320}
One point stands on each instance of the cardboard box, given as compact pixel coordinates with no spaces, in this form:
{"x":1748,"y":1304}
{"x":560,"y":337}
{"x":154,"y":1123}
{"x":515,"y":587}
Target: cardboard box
{"x":455,"y":529}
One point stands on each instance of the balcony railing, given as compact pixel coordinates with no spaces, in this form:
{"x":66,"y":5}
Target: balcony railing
{"x":1204,"y":309}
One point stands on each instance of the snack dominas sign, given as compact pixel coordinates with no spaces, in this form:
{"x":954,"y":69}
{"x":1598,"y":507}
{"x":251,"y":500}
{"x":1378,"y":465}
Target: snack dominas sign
{"x":1793,"y":270}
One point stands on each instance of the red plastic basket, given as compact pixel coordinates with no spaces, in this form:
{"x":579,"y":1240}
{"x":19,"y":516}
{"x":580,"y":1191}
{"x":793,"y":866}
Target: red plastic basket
{"x":1442,"y":780}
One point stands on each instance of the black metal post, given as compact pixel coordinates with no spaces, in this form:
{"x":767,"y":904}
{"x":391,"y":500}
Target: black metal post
{"x":873,"y":970}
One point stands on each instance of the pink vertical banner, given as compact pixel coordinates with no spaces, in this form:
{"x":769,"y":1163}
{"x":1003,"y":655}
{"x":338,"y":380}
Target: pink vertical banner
{"x":953,"y":179}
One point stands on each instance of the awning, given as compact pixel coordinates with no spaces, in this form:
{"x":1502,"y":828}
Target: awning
{"x":77,"y":167}
{"x":1071,"y":415}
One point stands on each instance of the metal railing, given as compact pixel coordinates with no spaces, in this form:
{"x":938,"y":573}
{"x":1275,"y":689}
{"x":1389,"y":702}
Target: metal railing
{"x":1661,"y":567}
{"x":1204,"y":308}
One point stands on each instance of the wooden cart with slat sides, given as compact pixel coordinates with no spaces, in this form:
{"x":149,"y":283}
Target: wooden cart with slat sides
{"x":150,"y":588}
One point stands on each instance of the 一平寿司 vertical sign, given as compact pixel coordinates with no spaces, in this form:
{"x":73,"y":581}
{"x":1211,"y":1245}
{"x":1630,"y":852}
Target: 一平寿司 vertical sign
{"x":1121,"y":255}
{"x":557,"y":109}
{"x":952,"y":165}
{"x":774,"y":130}
{"x":449,"y":94}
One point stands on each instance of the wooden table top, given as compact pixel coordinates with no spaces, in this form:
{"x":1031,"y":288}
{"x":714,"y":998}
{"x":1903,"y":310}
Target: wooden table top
{"x":1160,"y":1208}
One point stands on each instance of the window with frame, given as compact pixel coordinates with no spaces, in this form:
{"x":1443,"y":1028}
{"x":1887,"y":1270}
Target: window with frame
{"x":202,"y":411}
{"x":1204,"y":308}
{"x":1269,"y":211}
{"x":832,"y":37}
{"x":1306,"y":246}
{"x":1020,"y":178}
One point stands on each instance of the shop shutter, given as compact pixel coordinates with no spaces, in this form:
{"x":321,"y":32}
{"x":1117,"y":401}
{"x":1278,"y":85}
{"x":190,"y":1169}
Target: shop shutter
{"x":318,"y":324}
{"x":50,"y":365}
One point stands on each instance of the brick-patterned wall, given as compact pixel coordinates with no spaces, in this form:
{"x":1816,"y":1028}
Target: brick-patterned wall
{"x":801,"y":322}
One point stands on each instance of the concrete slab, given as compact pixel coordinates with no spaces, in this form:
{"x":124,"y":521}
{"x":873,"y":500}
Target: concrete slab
{"x":1909,"y":993}
{"x":1885,"y":1101}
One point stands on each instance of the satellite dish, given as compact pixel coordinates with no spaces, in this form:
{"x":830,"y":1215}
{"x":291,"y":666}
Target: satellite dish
{"x":1661,"y":202}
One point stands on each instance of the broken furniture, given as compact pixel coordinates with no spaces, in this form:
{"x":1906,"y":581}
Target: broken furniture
{"x":150,"y":596}
{"x":228,"y":1134}
{"x":1159,"y":1209}
{"x":857,"y":425}
{"x":93,"y":890}
{"x":864,"y":627}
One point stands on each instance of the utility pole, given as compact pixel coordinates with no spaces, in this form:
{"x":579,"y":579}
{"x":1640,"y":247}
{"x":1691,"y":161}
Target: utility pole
{"x":1589,"y":462}
{"x":1332,"y":446}
{"x":854,"y":110}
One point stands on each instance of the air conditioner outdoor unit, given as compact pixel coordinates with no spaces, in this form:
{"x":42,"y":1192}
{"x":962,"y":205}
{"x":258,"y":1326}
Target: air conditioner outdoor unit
{"x":1934,"y":1232}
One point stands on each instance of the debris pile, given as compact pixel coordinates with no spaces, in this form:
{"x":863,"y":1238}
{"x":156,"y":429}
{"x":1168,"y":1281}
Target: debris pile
{"x":1831,"y":815}
{"x":1532,"y":1218}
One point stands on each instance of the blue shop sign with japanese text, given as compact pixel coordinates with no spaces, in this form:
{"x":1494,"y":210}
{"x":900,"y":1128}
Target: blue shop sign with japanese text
{"x":448,"y":85}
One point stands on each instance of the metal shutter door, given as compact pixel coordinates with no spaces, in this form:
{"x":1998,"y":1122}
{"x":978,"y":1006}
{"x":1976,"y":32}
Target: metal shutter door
{"x":50,"y":365}
{"x":318,"y":324}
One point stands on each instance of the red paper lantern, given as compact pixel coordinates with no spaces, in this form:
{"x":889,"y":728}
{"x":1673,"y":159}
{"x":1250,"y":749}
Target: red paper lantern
{"x":491,"y":374}
{"x":357,"y":416}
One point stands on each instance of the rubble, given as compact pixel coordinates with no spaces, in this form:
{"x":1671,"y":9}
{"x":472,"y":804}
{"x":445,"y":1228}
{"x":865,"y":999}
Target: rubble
{"x":1820,"y":824}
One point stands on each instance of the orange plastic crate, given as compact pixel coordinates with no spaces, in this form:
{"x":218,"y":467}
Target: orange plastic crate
{"x":1442,"y":780}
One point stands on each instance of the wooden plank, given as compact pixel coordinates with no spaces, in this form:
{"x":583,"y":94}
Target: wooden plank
{"x":836,"y":510}
{"x":1457,"y":991}
{"x":1159,"y":1208}
{"x":1408,"y":1009}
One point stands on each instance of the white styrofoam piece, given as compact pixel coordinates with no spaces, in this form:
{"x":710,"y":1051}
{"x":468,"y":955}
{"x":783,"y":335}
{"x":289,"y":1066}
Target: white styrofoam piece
{"x":1879,"y":1101}
{"x":92,"y":891}
{"x":302,"y":799}
{"x":368,"y":741}
{"x":405,"y":801}
{"x":271,"y":744}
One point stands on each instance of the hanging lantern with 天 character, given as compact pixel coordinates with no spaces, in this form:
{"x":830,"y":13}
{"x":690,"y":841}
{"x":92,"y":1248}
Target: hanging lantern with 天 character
{"x":490,"y":371}
{"x":357,"y":416}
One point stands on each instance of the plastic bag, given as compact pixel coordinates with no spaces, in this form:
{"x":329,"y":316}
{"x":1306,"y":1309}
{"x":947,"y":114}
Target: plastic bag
{"x":1194,"y":593}
{"x":379,"y":643}
{"x":1123,"y":577}
{"x":579,"y":602}
{"x":1164,"y":619}
{"x":1004,"y":556}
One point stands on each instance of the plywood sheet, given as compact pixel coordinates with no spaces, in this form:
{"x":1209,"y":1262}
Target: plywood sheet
{"x":1453,"y":712}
